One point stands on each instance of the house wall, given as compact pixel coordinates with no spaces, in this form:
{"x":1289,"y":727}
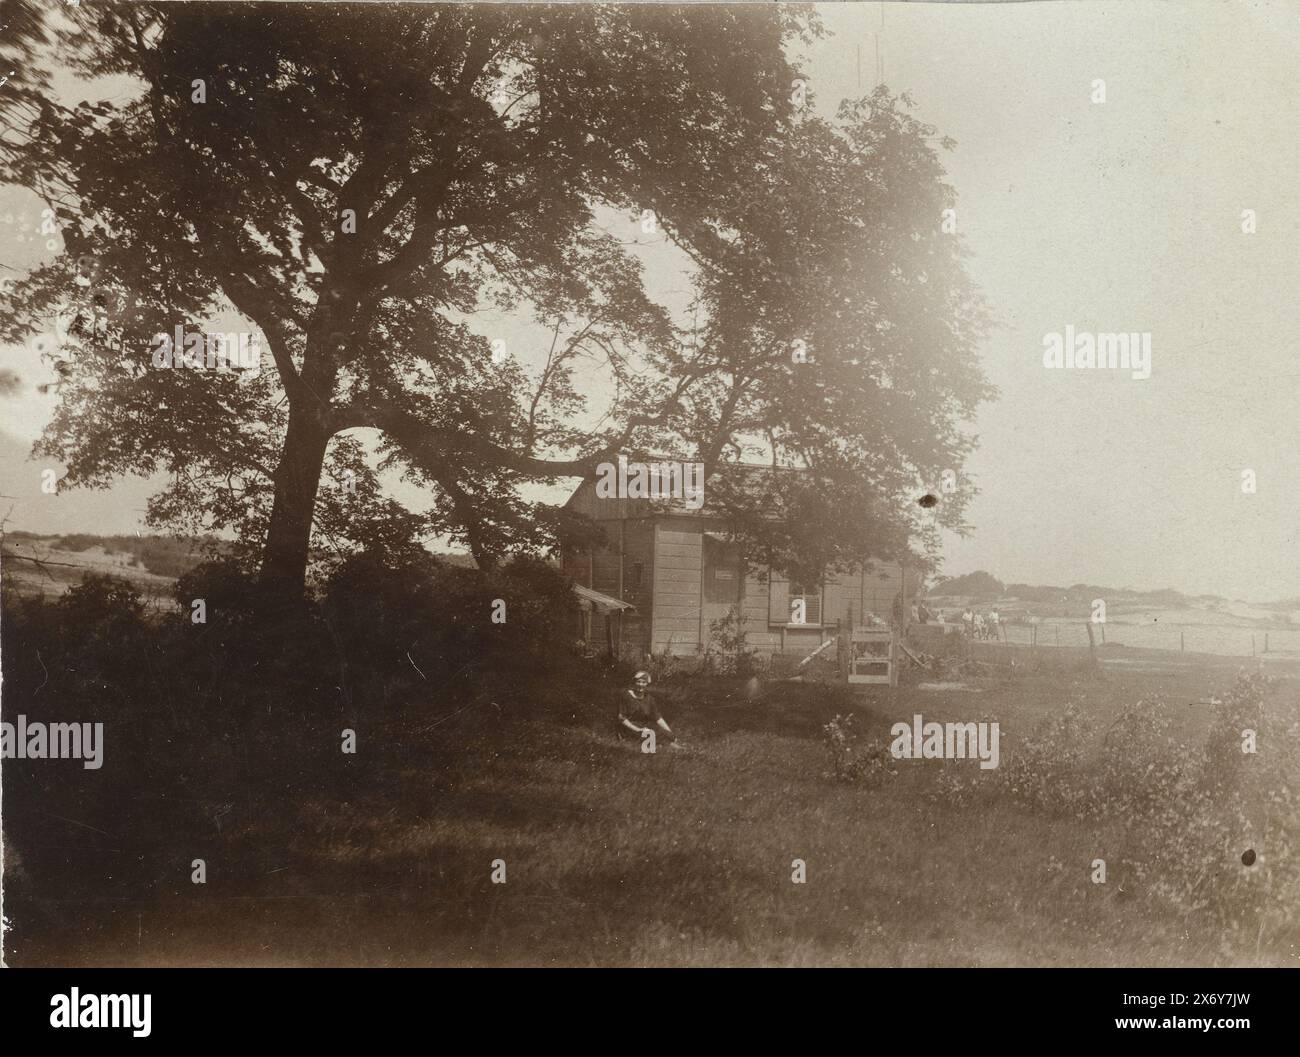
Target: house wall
{"x":629,"y":529}
{"x":844,"y":597}
{"x":724,"y":582}
{"x":679,"y":595}
{"x":611,"y":568}
{"x":759,"y":634}
{"x":678,"y":600}
{"x":688,"y":596}
{"x":638,"y":549}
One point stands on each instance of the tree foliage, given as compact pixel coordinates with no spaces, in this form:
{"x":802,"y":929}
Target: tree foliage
{"x":478,"y":148}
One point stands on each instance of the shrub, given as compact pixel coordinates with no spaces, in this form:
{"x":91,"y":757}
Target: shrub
{"x":93,"y":636}
{"x":866,"y":762}
{"x":727,"y":652}
{"x":95,"y":657}
{"x":400,"y":629}
{"x":228,"y":590}
{"x":1186,"y":815}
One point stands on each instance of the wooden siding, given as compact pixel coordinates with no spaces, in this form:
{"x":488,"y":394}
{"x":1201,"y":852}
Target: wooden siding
{"x":722,"y":593}
{"x":678,"y":599}
{"x":845,"y":598}
{"x":638,"y":549}
{"x":608,"y":568}
{"x":678,"y":565}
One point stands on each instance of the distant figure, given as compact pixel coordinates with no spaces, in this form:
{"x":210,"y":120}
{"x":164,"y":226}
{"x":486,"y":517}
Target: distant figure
{"x":637,"y":712}
{"x":968,"y":622}
{"x":923,"y":615}
{"x":979,"y":626}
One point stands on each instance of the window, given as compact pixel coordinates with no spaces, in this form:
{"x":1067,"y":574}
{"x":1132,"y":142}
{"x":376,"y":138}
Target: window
{"x":722,"y":584}
{"x":793,"y":604}
{"x":722,"y":567}
{"x":634,"y":573}
{"x":805,"y":603}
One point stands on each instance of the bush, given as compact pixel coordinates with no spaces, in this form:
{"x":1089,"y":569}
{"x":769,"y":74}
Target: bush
{"x":94,"y":657}
{"x":207,"y":723}
{"x":93,"y":637}
{"x":866,"y":762}
{"x":429,"y":628}
{"x":727,"y":652}
{"x":1186,"y":815}
{"x":228,"y":590}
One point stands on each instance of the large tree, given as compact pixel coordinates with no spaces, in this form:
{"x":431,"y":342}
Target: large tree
{"x":360,"y":181}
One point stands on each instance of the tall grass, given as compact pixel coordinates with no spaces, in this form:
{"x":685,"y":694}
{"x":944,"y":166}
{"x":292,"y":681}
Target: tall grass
{"x":1203,"y":830}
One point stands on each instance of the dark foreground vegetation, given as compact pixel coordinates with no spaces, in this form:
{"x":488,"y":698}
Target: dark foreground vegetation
{"x":479,"y":744}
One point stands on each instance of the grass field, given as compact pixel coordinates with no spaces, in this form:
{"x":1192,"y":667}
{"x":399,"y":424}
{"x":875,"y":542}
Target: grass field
{"x":41,"y":566}
{"x":683,"y":857}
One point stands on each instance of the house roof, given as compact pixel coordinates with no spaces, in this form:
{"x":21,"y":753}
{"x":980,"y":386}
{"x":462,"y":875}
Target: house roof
{"x":750,"y":476}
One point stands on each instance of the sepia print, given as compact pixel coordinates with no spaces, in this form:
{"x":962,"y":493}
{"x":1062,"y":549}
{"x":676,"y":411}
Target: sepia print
{"x":680,"y":485}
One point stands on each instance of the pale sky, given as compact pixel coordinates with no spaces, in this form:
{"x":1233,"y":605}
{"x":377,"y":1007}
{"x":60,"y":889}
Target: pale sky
{"x":1119,"y":216}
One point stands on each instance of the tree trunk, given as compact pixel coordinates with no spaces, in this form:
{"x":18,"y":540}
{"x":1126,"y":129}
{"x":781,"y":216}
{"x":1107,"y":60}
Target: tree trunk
{"x":284,"y":559}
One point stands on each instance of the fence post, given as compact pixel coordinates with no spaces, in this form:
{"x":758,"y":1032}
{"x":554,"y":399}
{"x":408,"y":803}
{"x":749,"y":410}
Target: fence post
{"x":1182,"y":640}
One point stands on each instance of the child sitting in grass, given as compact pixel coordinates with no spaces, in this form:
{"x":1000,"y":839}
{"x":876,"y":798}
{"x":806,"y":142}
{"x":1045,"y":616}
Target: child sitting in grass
{"x":637,"y":712}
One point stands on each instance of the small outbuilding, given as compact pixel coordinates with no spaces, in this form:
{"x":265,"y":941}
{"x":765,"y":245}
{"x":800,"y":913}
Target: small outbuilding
{"x":666,"y":572}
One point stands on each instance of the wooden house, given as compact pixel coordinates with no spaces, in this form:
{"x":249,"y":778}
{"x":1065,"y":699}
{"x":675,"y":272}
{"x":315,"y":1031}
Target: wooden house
{"x":676,"y":570}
